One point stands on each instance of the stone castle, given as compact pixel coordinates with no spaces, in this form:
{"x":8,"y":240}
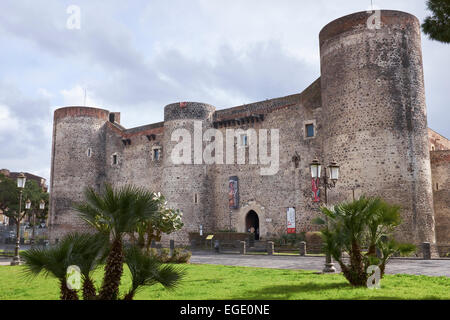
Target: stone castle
{"x":366,"y":112}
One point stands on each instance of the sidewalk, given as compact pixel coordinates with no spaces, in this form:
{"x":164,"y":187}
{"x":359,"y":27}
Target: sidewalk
{"x":394,"y":266}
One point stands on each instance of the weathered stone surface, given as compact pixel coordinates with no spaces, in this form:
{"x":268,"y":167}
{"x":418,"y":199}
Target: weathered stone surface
{"x":440,"y":167}
{"x":374,"y":104}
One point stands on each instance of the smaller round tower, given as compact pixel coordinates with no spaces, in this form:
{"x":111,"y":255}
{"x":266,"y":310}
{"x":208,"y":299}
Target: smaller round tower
{"x":186,"y":182}
{"x":78,"y":161}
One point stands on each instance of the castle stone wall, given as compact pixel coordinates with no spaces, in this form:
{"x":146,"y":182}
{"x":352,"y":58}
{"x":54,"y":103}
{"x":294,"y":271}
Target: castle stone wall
{"x":440,"y":167}
{"x":270,"y":195}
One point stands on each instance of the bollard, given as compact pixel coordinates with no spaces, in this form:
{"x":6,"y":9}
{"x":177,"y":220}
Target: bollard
{"x":242,"y":249}
{"x":302,"y":248}
{"x":172,"y":246}
{"x":217,"y":246}
{"x":270,"y":248}
{"x":426,"y":250}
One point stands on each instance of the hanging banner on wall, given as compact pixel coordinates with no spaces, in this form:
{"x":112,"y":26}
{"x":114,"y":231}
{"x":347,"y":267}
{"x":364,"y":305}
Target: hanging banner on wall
{"x":315,"y":189}
{"x":233,"y":193}
{"x":290,"y":213}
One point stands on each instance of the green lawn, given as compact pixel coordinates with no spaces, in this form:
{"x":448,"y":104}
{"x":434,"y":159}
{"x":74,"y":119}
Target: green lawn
{"x":205,"y":282}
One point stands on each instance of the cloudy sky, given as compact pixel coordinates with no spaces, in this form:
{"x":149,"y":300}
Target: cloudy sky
{"x":137,"y":56}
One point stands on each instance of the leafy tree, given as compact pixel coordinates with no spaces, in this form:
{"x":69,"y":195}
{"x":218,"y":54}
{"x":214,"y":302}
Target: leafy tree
{"x":9,"y":199}
{"x":437,"y":26}
{"x":363,"y":223}
{"x":9,"y":193}
{"x":116,"y":212}
{"x":165,"y":220}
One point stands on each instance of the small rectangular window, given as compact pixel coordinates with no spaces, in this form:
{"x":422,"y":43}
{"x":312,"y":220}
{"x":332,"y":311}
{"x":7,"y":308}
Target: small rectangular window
{"x":115,"y":159}
{"x":195,"y":198}
{"x":156,"y":154}
{"x":309,"y":130}
{"x":244,"y":140}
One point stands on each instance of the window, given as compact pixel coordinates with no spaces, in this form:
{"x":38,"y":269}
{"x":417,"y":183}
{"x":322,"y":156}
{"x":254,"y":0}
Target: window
{"x":196,"y":198}
{"x":244,"y":140}
{"x":156,"y":153}
{"x":309,"y":129}
{"x":114,"y":159}
{"x":89,"y":152}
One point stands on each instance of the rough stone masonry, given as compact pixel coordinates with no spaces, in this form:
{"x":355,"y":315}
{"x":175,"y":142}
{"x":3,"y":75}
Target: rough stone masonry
{"x":366,"y":112}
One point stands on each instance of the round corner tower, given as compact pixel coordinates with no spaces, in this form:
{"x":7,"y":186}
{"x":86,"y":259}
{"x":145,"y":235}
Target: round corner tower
{"x":186,"y":180}
{"x":77,"y":162}
{"x":373,"y":101}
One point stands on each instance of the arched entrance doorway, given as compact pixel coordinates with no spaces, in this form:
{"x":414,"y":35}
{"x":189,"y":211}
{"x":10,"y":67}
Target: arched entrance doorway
{"x":252,"y":223}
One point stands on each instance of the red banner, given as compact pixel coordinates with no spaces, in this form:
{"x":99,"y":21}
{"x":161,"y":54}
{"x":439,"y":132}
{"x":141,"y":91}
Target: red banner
{"x":315,"y":189}
{"x":290,"y":215}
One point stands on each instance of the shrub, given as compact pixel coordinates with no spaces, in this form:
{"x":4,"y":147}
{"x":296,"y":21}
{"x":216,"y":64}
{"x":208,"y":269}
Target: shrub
{"x":179,"y":255}
{"x":290,"y":239}
{"x":164,"y":255}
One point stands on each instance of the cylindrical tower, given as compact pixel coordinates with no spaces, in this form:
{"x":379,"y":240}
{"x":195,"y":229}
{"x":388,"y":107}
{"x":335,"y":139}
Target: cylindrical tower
{"x":373,"y":101}
{"x":78,"y":161}
{"x":186,"y":183}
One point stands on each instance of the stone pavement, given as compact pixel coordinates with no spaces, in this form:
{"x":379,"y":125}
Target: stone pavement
{"x":407,"y":266}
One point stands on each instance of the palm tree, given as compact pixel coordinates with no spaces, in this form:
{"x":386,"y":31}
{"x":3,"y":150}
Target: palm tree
{"x":115,"y":212}
{"x":89,"y":251}
{"x":363,"y":223}
{"x":147,"y":270}
{"x":52,"y":261}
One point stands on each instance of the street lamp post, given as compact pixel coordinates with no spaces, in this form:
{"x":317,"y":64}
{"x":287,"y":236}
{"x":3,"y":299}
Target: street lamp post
{"x":41,"y":207}
{"x":21,"y":179}
{"x":28,"y":205}
{"x":329,"y":181}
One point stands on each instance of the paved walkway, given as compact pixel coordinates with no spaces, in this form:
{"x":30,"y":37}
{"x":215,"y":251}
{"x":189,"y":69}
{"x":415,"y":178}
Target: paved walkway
{"x":407,"y":266}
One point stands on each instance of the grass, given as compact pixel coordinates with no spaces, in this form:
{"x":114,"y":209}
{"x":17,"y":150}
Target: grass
{"x":208,"y":282}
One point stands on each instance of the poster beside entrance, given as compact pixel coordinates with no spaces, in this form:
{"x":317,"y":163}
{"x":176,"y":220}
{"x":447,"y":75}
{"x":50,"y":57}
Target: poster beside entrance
{"x":233,"y":193}
{"x":290,"y":220}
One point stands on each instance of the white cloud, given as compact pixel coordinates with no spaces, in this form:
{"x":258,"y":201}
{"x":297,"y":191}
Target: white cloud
{"x":135,"y":57}
{"x":7,"y":122}
{"x":79,"y":96}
